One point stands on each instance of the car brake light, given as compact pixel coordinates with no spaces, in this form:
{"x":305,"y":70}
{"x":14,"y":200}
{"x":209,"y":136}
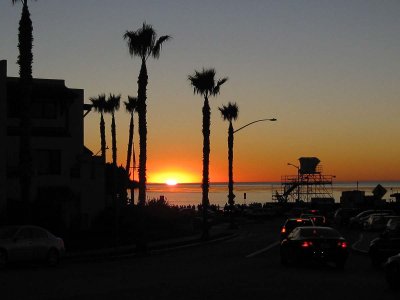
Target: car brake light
{"x":342,"y":244}
{"x":283,"y":230}
{"x":306,"y":244}
{"x":299,"y":220}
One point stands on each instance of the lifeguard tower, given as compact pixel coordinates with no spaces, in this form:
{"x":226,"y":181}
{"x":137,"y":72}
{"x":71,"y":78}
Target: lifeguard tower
{"x":309,"y":185}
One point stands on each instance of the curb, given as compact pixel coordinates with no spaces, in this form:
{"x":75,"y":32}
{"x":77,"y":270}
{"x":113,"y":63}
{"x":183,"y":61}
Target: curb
{"x":130,"y":251}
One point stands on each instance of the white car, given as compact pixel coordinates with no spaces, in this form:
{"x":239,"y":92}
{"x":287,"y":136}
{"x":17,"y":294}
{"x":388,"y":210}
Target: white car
{"x":29,"y":243}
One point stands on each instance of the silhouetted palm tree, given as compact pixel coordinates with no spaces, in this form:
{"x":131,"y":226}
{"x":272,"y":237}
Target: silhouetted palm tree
{"x":131,"y":107}
{"x":99,"y":105}
{"x":204,"y":83}
{"x":230,"y":113}
{"x":25,"y":60}
{"x":143,"y":43}
{"x":112,"y":105}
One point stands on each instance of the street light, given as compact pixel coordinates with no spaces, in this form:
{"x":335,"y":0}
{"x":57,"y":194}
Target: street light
{"x":262,"y":120}
{"x":231,"y":195}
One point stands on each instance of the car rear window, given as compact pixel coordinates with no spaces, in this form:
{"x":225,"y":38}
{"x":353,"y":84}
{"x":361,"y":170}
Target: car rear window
{"x":290,"y":224}
{"x":8,"y":232}
{"x":319,"y":232}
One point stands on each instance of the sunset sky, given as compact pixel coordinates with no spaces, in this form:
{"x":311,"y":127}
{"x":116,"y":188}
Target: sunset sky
{"x":329,"y":71}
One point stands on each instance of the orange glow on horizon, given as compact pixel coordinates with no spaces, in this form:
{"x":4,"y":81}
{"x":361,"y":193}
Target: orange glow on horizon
{"x":173,"y":177}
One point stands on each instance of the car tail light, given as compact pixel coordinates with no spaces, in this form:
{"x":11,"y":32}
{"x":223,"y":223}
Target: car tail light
{"x":342,"y":244}
{"x":306,"y":244}
{"x":299,"y":220}
{"x":283,"y":230}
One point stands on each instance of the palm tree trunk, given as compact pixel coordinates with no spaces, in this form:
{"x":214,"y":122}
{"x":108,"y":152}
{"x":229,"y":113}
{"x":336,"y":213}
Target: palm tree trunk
{"x":114,"y":140}
{"x":129,"y":155}
{"x":25,"y":60}
{"x":206,"y":163}
{"x":103,"y":137}
{"x":230,"y":160}
{"x":130,"y":143}
{"x":142,"y":110}
{"x":231,"y":195}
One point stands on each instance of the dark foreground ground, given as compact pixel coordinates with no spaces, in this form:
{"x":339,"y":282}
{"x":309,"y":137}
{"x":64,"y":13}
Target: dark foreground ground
{"x":245,"y":266}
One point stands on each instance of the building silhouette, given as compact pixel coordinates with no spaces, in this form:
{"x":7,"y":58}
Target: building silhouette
{"x":67,"y":180}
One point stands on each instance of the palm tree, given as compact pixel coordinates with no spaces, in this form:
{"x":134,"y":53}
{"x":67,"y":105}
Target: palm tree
{"x":25,"y":61}
{"x":143,"y":43}
{"x":130,"y":107}
{"x":112,"y":105}
{"x":99,"y":105}
{"x":204,"y":83}
{"x":230,"y":113}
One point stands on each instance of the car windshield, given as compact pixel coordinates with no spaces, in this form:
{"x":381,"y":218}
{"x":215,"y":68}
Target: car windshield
{"x":319,"y":232}
{"x":8,"y":232}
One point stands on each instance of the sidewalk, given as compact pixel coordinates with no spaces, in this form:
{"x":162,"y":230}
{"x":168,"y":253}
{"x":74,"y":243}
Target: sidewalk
{"x":217,"y":233}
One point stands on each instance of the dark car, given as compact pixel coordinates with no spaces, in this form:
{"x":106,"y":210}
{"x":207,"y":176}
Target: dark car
{"x":317,"y":219}
{"x":292,"y":223}
{"x":314,"y":244}
{"x":29,"y":243}
{"x":392,"y":271}
{"x":381,"y":248}
{"x":358,"y":220}
{"x":342,"y":215}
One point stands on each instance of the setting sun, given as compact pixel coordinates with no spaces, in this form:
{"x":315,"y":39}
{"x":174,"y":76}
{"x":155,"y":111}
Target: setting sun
{"x":172,"y":177}
{"x":171,"y":182}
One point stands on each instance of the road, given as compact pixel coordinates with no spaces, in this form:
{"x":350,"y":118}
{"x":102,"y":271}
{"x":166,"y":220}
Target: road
{"x":244,"y":267}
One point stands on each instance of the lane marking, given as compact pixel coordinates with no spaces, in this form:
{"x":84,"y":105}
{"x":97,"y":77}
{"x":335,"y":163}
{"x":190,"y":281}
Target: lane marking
{"x":263,"y":250}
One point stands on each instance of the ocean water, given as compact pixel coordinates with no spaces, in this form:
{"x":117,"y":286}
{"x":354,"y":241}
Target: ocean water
{"x":190,"y":194}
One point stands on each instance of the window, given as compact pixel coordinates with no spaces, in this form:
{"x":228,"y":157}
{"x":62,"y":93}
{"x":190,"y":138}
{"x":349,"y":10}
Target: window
{"x":44,"y":110}
{"x":24,"y":234}
{"x":39,"y":233}
{"x":48,"y":162}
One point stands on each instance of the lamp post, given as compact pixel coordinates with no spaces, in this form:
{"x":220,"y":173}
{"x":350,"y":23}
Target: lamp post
{"x":231,"y":195}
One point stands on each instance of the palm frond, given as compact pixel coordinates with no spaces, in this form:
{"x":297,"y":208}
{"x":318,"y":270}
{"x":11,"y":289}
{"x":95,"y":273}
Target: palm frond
{"x":229,"y":112}
{"x":218,"y":85}
{"x":204,"y":82}
{"x":142,"y":42}
{"x":131,"y":105}
{"x":99,"y":103}
{"x":112,"y":103}
{"x":157,"y":47}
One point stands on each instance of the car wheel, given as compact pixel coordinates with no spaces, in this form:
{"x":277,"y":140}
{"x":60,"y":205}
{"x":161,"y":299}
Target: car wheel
{"x":53,"y":258}
{"x":3,"y":259}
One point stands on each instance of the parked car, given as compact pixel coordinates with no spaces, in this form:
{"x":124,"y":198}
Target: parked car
{"x":377,"y":221}
{"x":381,"y":248}
{"x":342,"y":215}
{"x":314,"y":243}
{"x":29,"y":243}
{"x":317,"y":219}
{"x":392,"y":227}
{"x":292,"y":223}
{"x":358,"y":220}
{"x":392,"y":271}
